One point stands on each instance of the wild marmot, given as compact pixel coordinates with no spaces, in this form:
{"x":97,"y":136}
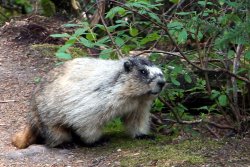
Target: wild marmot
{"x":83,"y":94}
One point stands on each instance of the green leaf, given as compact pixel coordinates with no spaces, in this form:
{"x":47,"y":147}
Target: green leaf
{"x":79,"y":32}
{"x":175,"y":25}
{"x":100,"y":26}
{"x":177,"y":69}
{"x":102,"y":41}
{"x":71,"y":25}
{"x":149,"y":38}
{"x":185,"y":13}
{"x":175,"y":1}
{"x":71,"y":40}
{"x":154,"y":17}
{"x":86,"y":42}
{"x":223,"y":100}
{"x":158,"y":105}
{"x":247,"y":55}
{"x":121,"y":22}
{"x":242,"y":71}
{"x":202,"y":108}
{"x":91,"y":36}
{"x":64,"y":35}
{"x":138,"y":5}
{"x":112,"y":28}
{"x":119,"y":41}
{"x":64,"y":48}
{"x":105,"y":54}
{"x":200,"y":35}
{"x":187,"y":78}
{"x":203,"y":3}
{"x":111,"y":13}
{"x":143,"y":4}
{"x":62,"y":55}
{"x":214,"y":94}
{"x":230,"y":54}
{"x":133,"y":31}
{"x":126,"y":49}
{"x":174,"y":81}
{"x":182,"y":37}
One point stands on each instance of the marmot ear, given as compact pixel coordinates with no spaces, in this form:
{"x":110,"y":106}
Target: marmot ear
{"x":128,"y":66}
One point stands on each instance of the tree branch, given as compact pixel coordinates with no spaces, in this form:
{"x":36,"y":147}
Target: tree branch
{"x":100,"y":11}
{"x":109,"y":34}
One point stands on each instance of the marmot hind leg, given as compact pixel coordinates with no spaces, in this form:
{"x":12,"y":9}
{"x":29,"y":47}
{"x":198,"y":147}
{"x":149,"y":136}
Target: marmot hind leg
{"x":89,"y":135}
{"x":57,"y":135}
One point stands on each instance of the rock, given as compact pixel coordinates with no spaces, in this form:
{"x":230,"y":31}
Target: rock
{"x":28,"y":152}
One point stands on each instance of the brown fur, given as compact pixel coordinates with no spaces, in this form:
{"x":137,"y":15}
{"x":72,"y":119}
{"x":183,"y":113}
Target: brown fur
{"x":24,"y":138}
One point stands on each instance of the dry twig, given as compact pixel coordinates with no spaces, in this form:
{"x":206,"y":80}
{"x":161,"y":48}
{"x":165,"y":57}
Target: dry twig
{"x":7,"y":101}
{"x":212,"y":132}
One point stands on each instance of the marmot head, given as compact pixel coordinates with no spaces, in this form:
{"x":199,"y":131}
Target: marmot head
{"x":144,"y":78}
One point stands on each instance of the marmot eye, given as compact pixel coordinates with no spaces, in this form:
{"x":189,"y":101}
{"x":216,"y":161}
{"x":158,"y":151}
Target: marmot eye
{"x":144,"y":72}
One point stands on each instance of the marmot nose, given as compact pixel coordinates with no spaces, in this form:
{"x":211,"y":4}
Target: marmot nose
{"x":161,"y":83}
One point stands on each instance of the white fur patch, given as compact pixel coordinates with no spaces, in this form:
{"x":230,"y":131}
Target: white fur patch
{"x":153,"y":70}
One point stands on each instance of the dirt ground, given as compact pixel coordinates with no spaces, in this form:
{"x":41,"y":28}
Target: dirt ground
{"x":19,"y":68}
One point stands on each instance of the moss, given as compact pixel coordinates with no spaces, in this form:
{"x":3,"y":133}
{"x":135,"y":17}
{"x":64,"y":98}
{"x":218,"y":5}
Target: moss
{"x":163,"y":151}
{"x":77,"y":52}
{"x":46,"y":50}
{"x":148,"y":153}
{"x":49,"y":50}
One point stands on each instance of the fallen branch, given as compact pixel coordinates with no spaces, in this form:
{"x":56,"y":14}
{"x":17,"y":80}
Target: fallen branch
{"x":7,"y":101}
{"x":212,"y":132}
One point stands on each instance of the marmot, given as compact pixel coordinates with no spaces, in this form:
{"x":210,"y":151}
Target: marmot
{"x":83,"y":94}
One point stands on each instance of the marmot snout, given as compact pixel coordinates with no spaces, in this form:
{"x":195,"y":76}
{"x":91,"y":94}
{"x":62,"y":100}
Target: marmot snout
{"x":82,"y":95}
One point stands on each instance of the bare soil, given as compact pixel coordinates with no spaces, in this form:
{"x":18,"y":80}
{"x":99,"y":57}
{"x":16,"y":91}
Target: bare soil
{"x":19,"y":68}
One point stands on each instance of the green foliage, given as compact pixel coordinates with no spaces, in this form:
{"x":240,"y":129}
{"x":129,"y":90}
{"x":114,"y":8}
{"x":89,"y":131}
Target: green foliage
{"x":9,"y":9}
{"x":62,"y":55}
{"x":65,"y":35}
{"x":25,"y":4}
{"x":207,"y":30}
{"x":222,"y":100}
{"x":227,"y":29}
{"x":116,"y":10}
{"x":49,"y":8}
